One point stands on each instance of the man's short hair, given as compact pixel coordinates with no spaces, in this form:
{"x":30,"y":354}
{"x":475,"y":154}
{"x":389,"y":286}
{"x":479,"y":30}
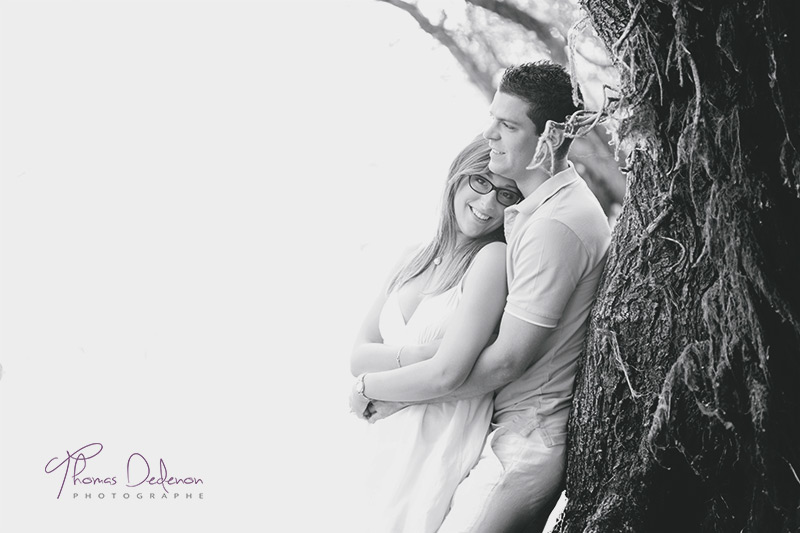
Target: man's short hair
{"x":547,"y":88}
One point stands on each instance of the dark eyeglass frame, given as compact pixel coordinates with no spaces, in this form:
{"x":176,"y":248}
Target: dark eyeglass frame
{"x":492,"y":187}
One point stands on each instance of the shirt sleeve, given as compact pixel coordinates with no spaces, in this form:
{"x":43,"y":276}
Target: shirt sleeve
{"x":548,"y":263}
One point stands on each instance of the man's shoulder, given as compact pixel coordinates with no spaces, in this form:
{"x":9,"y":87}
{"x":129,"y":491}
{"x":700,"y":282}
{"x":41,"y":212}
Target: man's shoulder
{"x":578,"y":208}
{"x":573,"y":215}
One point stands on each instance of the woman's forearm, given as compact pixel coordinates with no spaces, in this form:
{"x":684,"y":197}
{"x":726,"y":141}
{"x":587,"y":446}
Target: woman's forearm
{"x":420,"y":382}
{"x":376,"y":356}
{"x":373,"y":357}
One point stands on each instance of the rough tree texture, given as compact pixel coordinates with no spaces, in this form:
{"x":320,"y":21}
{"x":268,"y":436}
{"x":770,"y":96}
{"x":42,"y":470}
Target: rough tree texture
{"x":687,"y":404}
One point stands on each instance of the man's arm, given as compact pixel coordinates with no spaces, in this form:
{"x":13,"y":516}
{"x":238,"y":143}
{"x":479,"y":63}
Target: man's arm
{"x":518,"y":346}
{"x":549,"y":266}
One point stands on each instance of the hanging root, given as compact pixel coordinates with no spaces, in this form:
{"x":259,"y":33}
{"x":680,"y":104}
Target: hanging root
{"x":611,"y":338}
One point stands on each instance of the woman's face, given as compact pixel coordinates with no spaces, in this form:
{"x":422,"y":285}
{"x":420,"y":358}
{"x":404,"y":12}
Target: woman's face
{"x":479,"y":214}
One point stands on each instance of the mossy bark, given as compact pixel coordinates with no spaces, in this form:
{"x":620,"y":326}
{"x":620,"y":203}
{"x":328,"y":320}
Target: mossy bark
{"x":687,"y":403}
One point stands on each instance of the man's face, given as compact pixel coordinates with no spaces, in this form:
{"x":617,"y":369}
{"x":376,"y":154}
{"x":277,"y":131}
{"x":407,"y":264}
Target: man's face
{"x":511,"y":135}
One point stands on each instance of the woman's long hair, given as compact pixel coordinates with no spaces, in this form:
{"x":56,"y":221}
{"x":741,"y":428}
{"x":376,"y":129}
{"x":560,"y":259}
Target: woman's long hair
{"x":473,"y":159}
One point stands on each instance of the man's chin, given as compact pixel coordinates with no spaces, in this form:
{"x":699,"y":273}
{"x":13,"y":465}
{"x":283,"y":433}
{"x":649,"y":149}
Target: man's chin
{"x":496,"y":167}
{"x":504,"y":170}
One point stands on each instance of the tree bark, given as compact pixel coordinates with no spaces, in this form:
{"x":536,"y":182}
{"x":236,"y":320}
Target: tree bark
{"x":687,"y":402}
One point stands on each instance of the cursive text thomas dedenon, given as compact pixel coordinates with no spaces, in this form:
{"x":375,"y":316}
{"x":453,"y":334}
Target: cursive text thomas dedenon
{"x":137,"y":471}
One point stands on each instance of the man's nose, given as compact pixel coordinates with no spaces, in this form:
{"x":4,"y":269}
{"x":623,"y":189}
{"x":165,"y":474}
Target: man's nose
{"x":491,"y":131}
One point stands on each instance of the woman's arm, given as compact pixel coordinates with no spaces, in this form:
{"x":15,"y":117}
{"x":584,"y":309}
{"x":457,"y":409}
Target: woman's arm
{"x":370,"y":354}
{"x":469,"y":330}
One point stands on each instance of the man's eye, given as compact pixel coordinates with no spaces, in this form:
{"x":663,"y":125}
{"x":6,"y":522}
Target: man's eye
{"x":508,"y":195}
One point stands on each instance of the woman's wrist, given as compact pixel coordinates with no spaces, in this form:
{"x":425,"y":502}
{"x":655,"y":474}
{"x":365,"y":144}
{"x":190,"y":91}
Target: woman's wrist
{"x":410,"y":354}
{"x":361,"y":387}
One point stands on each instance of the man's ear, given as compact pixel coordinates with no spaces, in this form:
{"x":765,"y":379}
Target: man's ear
{"x":549,"y":141}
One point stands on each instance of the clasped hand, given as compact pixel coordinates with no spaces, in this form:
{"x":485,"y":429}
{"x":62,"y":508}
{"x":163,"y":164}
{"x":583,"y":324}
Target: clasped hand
{"x":372,"y":410}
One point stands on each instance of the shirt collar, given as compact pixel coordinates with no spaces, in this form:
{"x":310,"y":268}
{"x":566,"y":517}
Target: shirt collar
{"x":547,"y":190}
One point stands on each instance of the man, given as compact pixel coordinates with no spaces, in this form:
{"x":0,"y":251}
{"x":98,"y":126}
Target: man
{"x":557,"y":243}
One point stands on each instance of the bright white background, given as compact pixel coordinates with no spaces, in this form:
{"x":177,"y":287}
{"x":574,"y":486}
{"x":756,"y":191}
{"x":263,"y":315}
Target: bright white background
{"x":199,"y":200}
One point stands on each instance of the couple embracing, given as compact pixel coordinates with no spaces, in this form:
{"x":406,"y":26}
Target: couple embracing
{"x":466,"y":361}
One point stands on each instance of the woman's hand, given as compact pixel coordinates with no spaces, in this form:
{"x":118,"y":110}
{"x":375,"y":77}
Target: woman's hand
{"x":378,"y":410}
{"x":358,"y":403}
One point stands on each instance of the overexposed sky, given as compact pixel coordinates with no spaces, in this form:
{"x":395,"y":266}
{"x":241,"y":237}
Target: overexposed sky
{"x":197,"y":203}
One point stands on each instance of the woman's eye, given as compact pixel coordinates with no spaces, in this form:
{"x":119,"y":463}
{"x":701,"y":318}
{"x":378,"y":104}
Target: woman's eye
{"x":510,"y":196}
{"x":480,"y":181}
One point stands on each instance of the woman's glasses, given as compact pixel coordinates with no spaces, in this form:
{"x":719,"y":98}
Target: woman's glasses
{"x":505,"y":197}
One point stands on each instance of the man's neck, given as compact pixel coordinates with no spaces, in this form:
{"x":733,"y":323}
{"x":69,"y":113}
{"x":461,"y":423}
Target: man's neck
{"x":533,"y":179}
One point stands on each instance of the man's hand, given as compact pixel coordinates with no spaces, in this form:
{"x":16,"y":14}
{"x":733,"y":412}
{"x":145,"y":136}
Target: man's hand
{"x":378,"y":410}
{"x":358,"y":404}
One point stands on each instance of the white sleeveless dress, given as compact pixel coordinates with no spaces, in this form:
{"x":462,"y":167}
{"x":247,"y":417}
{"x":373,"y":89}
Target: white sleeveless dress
{"x":420,"y":454}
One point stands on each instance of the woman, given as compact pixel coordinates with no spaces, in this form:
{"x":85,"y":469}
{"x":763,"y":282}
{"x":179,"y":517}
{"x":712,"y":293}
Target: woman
{"x":453,"y":289}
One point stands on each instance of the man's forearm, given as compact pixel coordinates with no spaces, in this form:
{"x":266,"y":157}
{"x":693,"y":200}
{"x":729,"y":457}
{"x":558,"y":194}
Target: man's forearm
{"x":491,"y":371}
{"x":517,"y":347}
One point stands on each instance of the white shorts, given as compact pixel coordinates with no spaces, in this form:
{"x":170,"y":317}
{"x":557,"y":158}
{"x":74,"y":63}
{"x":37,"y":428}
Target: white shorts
{"x":513,"y":487}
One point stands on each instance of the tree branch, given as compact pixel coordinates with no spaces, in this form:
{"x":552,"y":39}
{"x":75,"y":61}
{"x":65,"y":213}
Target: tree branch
{"x":478,"y":76}
{"x":557,"y":46}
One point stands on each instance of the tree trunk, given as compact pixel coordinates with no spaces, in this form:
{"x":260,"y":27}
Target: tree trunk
{"x":687,"y":402}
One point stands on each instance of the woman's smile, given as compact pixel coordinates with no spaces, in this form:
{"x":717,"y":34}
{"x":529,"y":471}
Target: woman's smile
{"x":479,"y":214}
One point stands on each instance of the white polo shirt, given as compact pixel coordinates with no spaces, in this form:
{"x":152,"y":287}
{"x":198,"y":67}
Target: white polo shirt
{"x":558,"y":240}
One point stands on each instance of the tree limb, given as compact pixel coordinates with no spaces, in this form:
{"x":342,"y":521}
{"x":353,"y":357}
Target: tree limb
{"x":557,"y":46}
{"x":477,"y":75}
